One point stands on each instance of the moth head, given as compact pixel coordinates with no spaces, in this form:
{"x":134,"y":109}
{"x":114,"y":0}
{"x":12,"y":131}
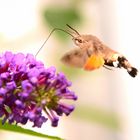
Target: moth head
{"x":83,"y":41}
{"x":80,"y":40}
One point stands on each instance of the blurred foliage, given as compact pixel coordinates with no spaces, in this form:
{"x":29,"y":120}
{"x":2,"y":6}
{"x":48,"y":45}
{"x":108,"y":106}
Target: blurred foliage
{"x":58,"y":17}
{"x":71,"y":72}
{"x":18,"y":129}
{"x":96,"y":115}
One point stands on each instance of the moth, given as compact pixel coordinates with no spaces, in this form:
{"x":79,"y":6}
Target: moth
{"x":92,"y":54}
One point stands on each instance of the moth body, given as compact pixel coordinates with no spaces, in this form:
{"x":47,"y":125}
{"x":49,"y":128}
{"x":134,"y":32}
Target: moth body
{"x":92,"y":54}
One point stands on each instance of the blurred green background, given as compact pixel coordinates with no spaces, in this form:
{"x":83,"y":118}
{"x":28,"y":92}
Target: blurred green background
{"x":106,"y":108}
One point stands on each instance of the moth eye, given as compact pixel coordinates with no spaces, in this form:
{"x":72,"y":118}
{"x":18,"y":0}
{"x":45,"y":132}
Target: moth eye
{"x":78,"y":40}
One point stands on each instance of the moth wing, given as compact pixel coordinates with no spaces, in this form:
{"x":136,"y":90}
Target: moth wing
{"x":95,"y":61}
{"x":75,"y":58}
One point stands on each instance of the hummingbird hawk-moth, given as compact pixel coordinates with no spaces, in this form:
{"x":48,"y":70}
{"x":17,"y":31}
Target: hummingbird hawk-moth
{"x":92,"y":54}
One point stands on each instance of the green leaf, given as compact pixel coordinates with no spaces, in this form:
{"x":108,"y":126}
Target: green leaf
{"x":97,"y":115}
{"x":18,"y":129}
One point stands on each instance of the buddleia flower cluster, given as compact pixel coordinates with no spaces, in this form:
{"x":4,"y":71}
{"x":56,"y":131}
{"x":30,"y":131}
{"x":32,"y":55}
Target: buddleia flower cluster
{"x":27,"y":89}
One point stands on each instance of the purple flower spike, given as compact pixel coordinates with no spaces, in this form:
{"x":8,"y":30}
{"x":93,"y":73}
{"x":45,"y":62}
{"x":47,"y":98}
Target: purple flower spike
{"x":27,"y":89}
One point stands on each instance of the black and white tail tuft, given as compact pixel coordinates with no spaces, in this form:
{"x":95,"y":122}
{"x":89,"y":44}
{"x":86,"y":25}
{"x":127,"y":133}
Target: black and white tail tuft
{"x":123,"y":62}
{"x":132,"y":71}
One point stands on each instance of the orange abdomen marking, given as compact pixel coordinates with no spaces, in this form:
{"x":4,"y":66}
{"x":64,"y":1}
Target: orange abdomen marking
{"x":94,"y":62}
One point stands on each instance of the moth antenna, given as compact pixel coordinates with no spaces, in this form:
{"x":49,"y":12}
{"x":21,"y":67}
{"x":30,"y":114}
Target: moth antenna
{"x":73,"y":29}
{"x":49,"y":37}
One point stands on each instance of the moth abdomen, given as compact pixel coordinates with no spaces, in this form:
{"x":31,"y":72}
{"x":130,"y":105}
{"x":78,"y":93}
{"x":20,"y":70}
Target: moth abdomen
{"x":121,"y":62}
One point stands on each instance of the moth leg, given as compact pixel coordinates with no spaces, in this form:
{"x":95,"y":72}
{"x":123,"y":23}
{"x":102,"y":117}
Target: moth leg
{"x":107,"y":67}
